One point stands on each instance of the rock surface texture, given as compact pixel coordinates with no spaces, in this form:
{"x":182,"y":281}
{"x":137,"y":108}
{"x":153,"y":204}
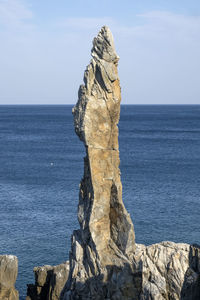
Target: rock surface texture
{"x":105,"y":262}
{"x":49,"y":282}
{"x":8,"y":276}
{"x":103,"y":247}
{"x":169,"y":271}
{"x":164,"y":271}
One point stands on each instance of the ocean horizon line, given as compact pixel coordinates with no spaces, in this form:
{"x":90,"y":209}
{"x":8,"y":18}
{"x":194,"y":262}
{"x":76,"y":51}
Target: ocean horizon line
{"x":122,"y":104}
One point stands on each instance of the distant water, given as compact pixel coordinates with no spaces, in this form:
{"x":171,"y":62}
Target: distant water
{"x":41,"y":164}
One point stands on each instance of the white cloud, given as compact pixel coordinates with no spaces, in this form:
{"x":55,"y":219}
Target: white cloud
{"x":170,"y":24}
{"x":14,"y":13}
{"x":160,"y":57}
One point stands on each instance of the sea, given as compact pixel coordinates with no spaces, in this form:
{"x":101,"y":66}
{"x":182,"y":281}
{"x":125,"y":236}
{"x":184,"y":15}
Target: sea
{"x":41,"y":165}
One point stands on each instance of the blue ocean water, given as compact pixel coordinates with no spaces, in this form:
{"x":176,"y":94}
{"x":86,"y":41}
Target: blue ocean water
{"x":41,"y":164}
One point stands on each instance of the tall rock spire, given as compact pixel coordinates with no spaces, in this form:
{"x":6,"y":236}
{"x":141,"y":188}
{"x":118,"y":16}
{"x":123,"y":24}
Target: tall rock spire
{"x":104,"y":244}
{"x":105,"y":262}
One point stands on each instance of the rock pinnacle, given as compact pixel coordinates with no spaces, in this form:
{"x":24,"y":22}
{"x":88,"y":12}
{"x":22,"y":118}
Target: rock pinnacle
{"x":105,"y":241}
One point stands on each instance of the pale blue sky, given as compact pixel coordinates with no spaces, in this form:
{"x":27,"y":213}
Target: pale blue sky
{"x":45,"y":47}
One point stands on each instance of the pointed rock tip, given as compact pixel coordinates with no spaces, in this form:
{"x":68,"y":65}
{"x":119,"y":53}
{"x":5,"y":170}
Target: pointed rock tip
{"x":103,"y":46}
{"x":106,"y":33}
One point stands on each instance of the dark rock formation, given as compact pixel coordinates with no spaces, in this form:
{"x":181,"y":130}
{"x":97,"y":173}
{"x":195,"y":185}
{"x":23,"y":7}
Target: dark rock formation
{"x":8,"y":276}
{"x":49,"y":282}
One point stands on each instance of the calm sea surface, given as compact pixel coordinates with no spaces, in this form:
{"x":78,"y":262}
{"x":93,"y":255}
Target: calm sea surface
{"x":41,"y":164}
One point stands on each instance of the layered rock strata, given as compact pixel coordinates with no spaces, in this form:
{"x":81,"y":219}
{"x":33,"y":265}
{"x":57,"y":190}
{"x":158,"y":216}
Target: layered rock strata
{"x":8,"y":276}
{"x":104,"y":245}
{"x":49,"y":282}
{"x":169,"y":271}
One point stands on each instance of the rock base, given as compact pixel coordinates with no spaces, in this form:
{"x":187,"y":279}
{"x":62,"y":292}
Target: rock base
{"x":169,"y":271}
{"x":163,"y":271}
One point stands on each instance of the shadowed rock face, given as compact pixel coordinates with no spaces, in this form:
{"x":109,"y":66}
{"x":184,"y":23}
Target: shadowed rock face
{"x":8,"y":276}
{"x":49,"y":282}
{"x":105,"y":242}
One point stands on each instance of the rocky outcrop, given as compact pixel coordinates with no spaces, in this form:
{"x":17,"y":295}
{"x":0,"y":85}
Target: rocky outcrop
{"x":169,"y":271}
{"x":102,"y":249}
{"x":163,"y":271}
{"x":49,"y":282}
{"x":8,"y":276}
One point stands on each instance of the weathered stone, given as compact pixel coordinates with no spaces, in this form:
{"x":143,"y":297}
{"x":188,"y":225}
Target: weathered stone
{"x":49,"y":282}
{"x":8,"y":276}
{"x":105,"y":262}
{"x":102,"y":250}
{"x":169,"y":271}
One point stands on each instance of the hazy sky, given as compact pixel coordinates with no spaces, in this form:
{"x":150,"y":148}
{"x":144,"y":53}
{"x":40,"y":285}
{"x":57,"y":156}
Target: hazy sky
{"x":45,"y":46}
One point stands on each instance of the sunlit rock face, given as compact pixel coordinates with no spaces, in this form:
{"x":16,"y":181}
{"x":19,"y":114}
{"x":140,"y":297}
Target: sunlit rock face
{"x":170,"y":271}
{"x":105,"y":262}
{"x":8,"y":276}
{"x":103,"y":247}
